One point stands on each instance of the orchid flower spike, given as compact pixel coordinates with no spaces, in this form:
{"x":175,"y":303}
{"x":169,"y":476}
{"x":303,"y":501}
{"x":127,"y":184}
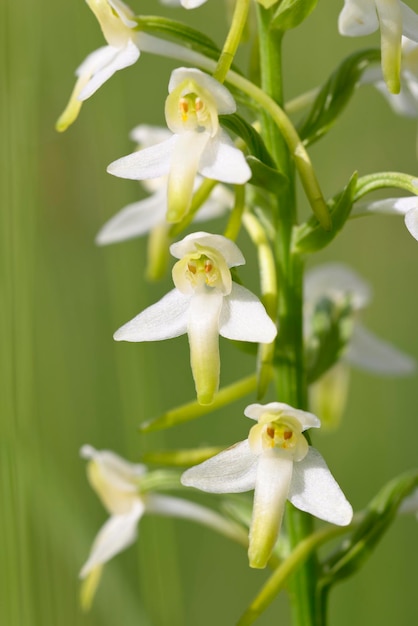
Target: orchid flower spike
{"x":118,"y":26}
{"x":198,"y":143}
{"x":118,"y":483}
{"x":205,"y":303}
{"x":277,"y":462}
{"x":148,"y":216}
{"x":362,"y":17}
{"x":339,"y":283}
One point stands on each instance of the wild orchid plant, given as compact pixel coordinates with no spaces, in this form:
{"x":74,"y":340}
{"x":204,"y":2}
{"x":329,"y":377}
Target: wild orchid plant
{"x":211,"y":161}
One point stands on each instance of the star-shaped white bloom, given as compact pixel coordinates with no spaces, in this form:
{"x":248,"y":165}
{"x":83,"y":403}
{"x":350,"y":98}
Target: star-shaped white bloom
{"x":117,"y":482}
{"x":365,"y":351}
{"x":148,"y":215}
{"x":206,"y":303}
{"x":277,"y":462}
{"x":198,"y":143}
{"x":118,"y":26}
{"x":362,"y":17}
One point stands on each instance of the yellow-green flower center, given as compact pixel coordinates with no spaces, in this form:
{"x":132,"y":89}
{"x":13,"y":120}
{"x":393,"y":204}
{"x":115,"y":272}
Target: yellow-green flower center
{"x":202,"y":270}
{"x":283,"y":434}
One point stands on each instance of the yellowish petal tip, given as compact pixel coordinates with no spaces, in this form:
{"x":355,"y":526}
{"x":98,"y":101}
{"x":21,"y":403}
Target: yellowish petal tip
{"x":89,"y":588}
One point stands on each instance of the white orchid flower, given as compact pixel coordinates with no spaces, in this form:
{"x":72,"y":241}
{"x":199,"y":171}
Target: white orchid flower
{"x":148,"y":215}
{"x":406,"y":206}
{"x":118,"y":26}
{"x":364,"y":351}
{"x":198,"y":144}
{"x":117,"y":482}
{"x":277,"y":462}
{"x":206,"y":303}
{"x":362,"y":17}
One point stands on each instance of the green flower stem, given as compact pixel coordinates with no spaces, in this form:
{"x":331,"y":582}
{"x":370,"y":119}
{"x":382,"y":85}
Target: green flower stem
{"x":233,"y":39}
{"x":181,"y":458}
{"x":290,"y":370}
{"x":193,"y":410}
{"x":234,"y":223}
{"x":297,"y":149}
{"x":382,"y":180}
{"x":278,"y":579}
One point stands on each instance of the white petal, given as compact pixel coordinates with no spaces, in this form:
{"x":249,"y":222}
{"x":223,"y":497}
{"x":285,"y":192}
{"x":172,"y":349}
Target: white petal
{"x":404,"y":103}
{"x":225,"y":103}
{"x":274,"y":474}
{"x":121,"y":473}
{"x":409,"y":22}
{"x":231,"y":471}
{"x":390,"y":21}
{"x":222,"y":161}
{"x":313,"y":489}
{"x":306,"y":420}
{"x":165,"y":319}
{"x":336,"y":280}
{"x":391,"y":206}
{"x":192,"y":4}
{"x":133,"y":220}
{"x":370,"y":353}
{"x":124,"y":12}
{"x":244,"y":318}
{"x":121,"y":58}
{"x":203,"y":333}
{"x":119,"y":532}
{"x":358,"y":17}
{"x":183,"y":169}
{"x":185,"y":509}
{"x":227,"y":248}
{"x":146,"y":135}
{"x":151,"y":162}
{"x":411,"y":222}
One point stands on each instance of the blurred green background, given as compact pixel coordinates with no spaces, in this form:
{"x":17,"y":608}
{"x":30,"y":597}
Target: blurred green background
{"x":64,"y":382}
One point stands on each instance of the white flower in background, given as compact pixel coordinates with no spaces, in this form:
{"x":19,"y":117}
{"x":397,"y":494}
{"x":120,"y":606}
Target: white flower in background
{"x":364,"y":351}
{"x":277,"y":462}
{"x":362,"y":17}
{"x":406,"y":101}
{"x":117,"y":482}
{"x":187,"y":4}
{"x":206,"y":303}
{"x":407,"y":206}
{"x":198,"y":143}
{"x":118,"y":26}
{"x":148,"y":215}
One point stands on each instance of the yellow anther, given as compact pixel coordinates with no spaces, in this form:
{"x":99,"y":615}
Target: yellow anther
{"x":184,"y":109}
{"x":198,"y":104}
{"x":192,"y":268}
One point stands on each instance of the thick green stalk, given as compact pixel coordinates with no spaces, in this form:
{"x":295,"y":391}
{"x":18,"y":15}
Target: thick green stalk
{"x":290,"y":366}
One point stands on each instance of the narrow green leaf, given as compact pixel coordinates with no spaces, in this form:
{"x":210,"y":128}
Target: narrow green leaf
{"x":291,"y":13}
{"x":265,"y":176}
{"x":311,"y":237}
{"x":335,"y":95}
{"x":240,"y":127}
{"x":380,"y":513}
{"x":178,"y":32}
